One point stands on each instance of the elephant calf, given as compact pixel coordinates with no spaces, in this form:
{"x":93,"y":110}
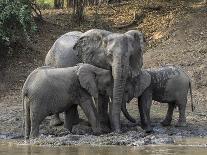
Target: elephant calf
{"x":50,"y":90}
{"x":169,"y":84}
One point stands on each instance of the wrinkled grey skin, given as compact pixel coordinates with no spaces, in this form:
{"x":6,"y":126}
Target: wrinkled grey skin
{"x":62,"y":54}
{"x":50,"y":90}
{"x":120,"y":53}
{"x":169,"y":84}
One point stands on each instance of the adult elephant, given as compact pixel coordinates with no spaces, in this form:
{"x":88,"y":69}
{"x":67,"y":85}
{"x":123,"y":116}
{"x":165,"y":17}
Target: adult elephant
{"x":120,"y":53}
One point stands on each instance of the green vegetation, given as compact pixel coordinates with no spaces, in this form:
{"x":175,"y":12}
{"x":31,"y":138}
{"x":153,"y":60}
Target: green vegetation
{"x":16,"y":21}
{"x":45,"y":4}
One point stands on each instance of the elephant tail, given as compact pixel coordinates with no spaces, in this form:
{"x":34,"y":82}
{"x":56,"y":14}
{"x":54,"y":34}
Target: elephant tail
{"x":126,"y":113}
{"x":191,"y":96}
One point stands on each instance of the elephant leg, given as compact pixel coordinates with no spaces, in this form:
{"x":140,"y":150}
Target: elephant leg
{"x":90,"y":111}
{"x":103,"y":112}
{"x":37,"y":114}
{"x":27,"y":126}
{"x":168,"y":118}
{"x":27,"y":121}
{"x":35,"y":123}
{"x":55,"y":120}
{"x":69,"y":117}
{"x":181,"y":107}
{"x":76,"y":118}
{"x":145,"y":101}
{"x":142,"y":116}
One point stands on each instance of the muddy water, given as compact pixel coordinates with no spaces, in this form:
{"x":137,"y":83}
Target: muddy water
{"x":183,"y":147}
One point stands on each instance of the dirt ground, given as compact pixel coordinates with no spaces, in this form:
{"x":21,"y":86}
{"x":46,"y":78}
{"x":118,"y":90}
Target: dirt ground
{"x":174,"y":35}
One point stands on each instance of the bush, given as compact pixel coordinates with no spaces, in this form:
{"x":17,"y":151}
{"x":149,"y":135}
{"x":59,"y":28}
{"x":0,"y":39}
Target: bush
{"x":16,"y":21}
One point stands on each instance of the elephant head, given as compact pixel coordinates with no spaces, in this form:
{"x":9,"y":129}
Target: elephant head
{"x":121,"y":53}
{"x":95,"y":80}
{"x":134,"y":88}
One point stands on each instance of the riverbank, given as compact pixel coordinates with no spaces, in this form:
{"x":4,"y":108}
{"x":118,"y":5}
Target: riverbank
{"x":132,"y":135}
{"x":175,"y":34}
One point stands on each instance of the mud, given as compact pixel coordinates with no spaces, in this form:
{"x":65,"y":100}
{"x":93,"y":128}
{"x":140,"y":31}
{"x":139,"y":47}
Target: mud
{"x":132,"y":135}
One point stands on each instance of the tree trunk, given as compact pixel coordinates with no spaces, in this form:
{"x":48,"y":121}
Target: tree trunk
{"x":58,"y":4}
{"x":69,"y":3}
{"x":78,"y":10}
{"x":114,"y":1}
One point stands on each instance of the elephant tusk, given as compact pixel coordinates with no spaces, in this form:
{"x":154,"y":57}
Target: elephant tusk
{"x":93,"y":100}
{"x":110,"y":99}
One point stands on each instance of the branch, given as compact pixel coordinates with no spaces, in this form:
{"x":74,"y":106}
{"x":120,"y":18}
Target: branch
{"x":36,"y":10}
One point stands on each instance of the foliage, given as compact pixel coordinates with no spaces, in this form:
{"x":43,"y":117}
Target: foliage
{"x":16,"y":21}
{"x":45,"y":4}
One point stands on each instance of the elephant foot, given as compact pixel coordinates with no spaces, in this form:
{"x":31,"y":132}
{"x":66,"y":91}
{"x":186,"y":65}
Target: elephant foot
{"x":55,"y":122}
{"x":116,"y":131}
{"x":34,"y":134}
{"x":166,"y":122}
{"x":82,"y":122}
{"x":97,"y":132}
{"x":105,"y":129}
{"x":181,"y":124}
{"x":147,"y":129}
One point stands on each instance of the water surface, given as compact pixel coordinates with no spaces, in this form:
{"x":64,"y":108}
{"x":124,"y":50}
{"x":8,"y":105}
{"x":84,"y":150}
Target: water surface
{"x":185,"y":147}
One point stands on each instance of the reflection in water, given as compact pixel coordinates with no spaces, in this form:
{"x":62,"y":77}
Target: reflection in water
{"x":13,"y":149}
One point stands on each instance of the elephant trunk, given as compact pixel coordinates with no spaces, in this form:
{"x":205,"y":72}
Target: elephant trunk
{"x":119,"y":82}
{"x":126,"y":113}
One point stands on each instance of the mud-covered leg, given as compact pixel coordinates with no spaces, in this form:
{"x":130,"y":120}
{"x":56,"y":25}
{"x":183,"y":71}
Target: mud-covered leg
{"x":141,"y":113}
{"x":168,"y":118}
{"x":76,"y":118}
{"x":182,"y":118}
{"x":145,"y":101}
{"x":27,"y":123}
{"x":103,"y":112}
{"x":35,"y":123}
{"x":37,"y":117}
{"x":90,"y":111}
{"x":55,"y":120}
{"x":69,"y":117}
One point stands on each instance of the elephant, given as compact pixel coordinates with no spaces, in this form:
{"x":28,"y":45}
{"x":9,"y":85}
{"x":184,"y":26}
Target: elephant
{"x":62,"y":55}
{"x":120,"y":53}
{"x":167,"y":84}
{"x":49,"y":90}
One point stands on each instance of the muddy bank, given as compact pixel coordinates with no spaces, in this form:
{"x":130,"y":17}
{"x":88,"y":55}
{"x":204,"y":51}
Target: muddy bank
{"x":131,"y":136}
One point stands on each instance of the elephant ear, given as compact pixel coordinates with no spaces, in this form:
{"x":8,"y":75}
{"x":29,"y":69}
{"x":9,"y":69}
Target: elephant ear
{"x":88,"y":43}
{"x":136,"y":59}
{"x":87,"y":80}
{"x":143,"y":81}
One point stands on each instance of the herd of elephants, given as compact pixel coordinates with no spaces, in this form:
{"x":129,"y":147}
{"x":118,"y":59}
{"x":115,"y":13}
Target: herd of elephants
{"x":101,"y":71}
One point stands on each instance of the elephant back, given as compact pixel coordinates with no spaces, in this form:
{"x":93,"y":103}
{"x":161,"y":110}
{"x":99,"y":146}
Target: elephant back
{"x":62,"y":53}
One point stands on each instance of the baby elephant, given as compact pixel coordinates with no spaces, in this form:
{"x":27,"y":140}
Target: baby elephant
{"x":169,"y":84}
{"x":49,"y":90}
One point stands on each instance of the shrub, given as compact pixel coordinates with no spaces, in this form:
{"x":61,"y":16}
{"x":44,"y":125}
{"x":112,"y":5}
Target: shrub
{"x":16,"y":21}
